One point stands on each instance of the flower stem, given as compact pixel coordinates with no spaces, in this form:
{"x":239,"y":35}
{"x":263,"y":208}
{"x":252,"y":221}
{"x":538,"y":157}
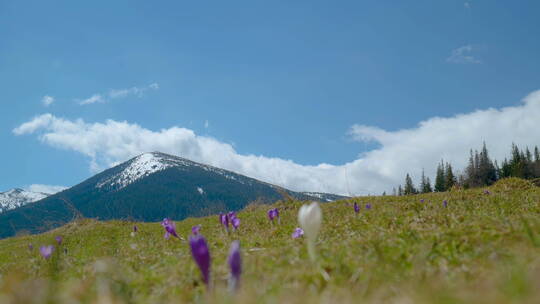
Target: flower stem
{"x":311,"y":250}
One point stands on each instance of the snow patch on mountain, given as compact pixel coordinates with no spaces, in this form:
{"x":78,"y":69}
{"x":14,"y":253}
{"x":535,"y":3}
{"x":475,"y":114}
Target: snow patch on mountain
{"x":324,"y":196}
{"x":16,"y":198}
{"x":201,"y":191}
{"x":152,"y":162}
{"x":143,"y":165}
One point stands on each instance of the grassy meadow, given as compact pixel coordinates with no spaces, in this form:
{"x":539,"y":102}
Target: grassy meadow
{"x":481,"y":248}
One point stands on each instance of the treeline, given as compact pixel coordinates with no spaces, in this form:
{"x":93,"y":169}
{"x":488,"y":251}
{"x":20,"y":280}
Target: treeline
{"x":481,"y":171}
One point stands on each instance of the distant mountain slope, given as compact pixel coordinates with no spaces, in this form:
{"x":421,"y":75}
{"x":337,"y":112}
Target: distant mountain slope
{"x":148,"y":187}
{"x":16,"y":198}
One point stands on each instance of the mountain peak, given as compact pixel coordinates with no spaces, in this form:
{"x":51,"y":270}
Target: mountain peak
{"x":18,"y":197}
{"x":149,"y":163}
{"x":136,"y":168}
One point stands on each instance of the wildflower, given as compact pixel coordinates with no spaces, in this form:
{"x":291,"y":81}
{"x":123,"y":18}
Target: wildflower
{"x":421,"y":200}
{"x":195,"y":230}
{"x":235,"y":263}
{"x":298,"y":232}
{"x":231,"y":215}
{"x":273,"y":213}
{"x":135,"y":228}
{"x":224,"y":219}
{"x":368,"y":206}
{"x":170,"y":228}
{"x":310,"y":218}
{"x":201,"y":255}
{"x":58,"y":240}
{"x":445,"y":203}
{"x":235,"y":222}
{"x":356,"y":208}
{"x":46,"y":251}
{"x":30,"y":247}
{"x":486,"y":192}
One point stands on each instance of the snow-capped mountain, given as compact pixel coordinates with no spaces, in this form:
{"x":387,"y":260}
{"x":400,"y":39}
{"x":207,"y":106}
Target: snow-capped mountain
{"x":149,"y":187}
{"x":152,"y":162}
{"x":15,"y":198}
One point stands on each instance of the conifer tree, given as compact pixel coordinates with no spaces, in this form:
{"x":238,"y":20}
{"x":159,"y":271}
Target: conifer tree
{"x":428,"y":186}
{"x":409,"y":186}
{"x":400,"y":190}
{"x":449,"y":177}
{"x":439,"y":178}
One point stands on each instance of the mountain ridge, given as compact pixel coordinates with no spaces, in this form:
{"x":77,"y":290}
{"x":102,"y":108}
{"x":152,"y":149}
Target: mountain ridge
{"x":148,"y":187}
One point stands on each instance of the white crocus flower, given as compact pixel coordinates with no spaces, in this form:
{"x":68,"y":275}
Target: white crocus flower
{"x":310,"y":219}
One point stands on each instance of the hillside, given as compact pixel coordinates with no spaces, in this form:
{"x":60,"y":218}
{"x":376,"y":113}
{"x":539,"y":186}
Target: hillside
{"x":481,"y":248}
{"x":148,"y":187}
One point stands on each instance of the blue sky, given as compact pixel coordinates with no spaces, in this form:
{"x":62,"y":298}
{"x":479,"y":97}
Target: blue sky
{"x":271,"y":79}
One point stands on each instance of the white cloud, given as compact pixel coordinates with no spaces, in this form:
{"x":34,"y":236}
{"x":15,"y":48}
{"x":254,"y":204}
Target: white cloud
{"x":118,"y":93}
{"x":49,"y":189}
{"x":401,"y":151}
{"x":463,"y":55}
{"x":47,"y":100}
{"x":96,"y":98}
{"x":206,"y":124}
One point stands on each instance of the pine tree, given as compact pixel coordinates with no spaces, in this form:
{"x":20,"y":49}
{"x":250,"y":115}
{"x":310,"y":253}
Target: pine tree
{"x":400,"y":190}
{"x":449,"y":178}
{"x":409,"y":186}
{"x":439,"y":178}
{"x":422,"y":187}
{"x":470,"y":172}
{"x":536,"y":171}
{"x":428,"y":186}
{"x":487,"y":173}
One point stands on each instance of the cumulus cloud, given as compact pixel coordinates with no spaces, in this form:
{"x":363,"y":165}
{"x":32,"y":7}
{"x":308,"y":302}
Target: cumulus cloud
{"x":399,"y":152}
{"x":463,"y":55}
{"x":47,"y":100}
{"x":118,"y":93}
{"x":48,"y":189}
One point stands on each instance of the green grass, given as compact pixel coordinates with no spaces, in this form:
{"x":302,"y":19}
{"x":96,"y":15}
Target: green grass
{"x":481,"y":249}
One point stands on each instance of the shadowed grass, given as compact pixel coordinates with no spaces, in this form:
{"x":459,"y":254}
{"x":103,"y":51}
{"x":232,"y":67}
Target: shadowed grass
{"x":480,"y":249}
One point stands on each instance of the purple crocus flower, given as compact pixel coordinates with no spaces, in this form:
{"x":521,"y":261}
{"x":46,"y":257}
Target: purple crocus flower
{"x":235,"y":263}
{"x":30,"y":247}
{"x":46,"y":251}
{"x":231,"y":215}
{"x":486,"y":192}
{"x":421,"y":200}
{"x":273,"y":213}
{"x":356,"y":208}
{"x":224,"y":221}
{"x":170,"y":228}
{"x":135,"y":228}
{"x":368,"y":206}
{"x":195,"y":230}
{"x":201,"y":255}
{"x":59,"y":240}
{"x":235,"y":222}
{"x":298,"y":232}
{"x":445,"y":203}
